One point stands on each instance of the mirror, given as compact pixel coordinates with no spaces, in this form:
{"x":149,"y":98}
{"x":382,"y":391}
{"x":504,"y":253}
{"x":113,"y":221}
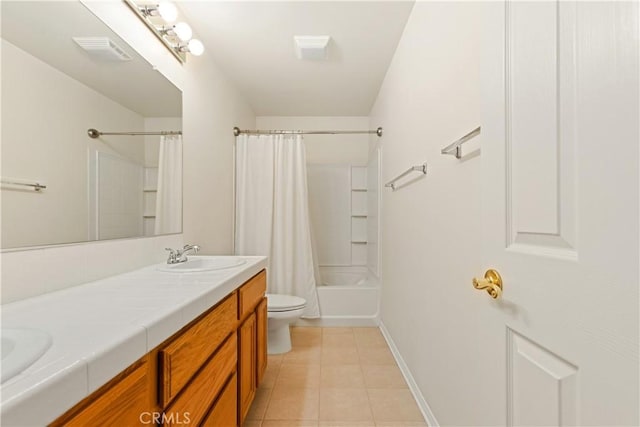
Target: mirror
{"x":55,"y":88}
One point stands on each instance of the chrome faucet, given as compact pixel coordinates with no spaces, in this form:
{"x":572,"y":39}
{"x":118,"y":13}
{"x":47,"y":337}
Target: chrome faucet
{"x":177,"y":256}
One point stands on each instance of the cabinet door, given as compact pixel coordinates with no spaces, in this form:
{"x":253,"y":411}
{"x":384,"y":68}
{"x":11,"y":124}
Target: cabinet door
{"x":261,"y":320}
{"x":247,"y":364}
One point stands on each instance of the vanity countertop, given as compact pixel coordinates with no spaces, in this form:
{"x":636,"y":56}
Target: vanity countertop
{"x":100,"y":328}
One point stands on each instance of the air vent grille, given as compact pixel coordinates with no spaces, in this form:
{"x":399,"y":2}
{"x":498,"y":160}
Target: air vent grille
{"x":102,"y":48}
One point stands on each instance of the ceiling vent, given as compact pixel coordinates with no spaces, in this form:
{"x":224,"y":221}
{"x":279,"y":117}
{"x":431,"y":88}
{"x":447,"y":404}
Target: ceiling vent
{"x":311,"y":47}
{"x":102,"y":48}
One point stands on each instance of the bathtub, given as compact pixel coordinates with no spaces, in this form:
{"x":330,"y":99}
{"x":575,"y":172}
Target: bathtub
{"x":348,"y":296}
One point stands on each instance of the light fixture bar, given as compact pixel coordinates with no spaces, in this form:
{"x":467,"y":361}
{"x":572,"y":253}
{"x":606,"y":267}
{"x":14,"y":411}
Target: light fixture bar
{"x":180,"y":56}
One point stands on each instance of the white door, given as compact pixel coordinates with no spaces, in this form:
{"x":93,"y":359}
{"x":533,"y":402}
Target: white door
{"x":560,"y":145}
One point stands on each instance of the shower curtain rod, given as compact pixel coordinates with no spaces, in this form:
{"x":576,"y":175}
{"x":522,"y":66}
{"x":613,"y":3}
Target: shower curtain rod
{"x":237,"y":131}
{"x":94,"y":133}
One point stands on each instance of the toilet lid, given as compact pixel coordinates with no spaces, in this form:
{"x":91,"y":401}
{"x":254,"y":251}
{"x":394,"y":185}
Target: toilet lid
{"x":279,"y":302}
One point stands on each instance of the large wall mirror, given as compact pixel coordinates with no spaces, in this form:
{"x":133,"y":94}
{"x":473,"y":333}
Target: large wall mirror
{"x":64,"y":72}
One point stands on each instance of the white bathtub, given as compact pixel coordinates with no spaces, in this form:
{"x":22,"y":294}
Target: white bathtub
{"x":348,"y":296}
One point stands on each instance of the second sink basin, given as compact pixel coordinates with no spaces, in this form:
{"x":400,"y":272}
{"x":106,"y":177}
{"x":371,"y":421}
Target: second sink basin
{"x":200,"y":264}
{"x":21,"y":347}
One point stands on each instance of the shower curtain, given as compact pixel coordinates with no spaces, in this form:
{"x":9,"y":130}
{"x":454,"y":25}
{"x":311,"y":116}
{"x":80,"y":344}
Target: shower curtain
{"x":169,"y":195}
{"x":272,"y":213}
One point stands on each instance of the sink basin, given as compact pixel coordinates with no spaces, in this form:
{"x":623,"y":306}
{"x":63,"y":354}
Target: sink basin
{"x":199,"y":264}
{"x":21,"y":347}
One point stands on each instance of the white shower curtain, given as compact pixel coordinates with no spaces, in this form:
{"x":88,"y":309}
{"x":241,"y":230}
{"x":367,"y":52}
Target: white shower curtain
{"x":169,"y":195}
{"x":272,"y":213}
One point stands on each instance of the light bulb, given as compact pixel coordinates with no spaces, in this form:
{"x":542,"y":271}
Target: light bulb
{"x":195,"y":47}
{"x":183,"y":31}
{"x":167,"y":11}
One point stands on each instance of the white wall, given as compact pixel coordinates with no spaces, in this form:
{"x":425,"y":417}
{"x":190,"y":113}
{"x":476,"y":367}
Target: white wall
{"x":211,"y":107}
{"x":341,"y":149}
{"x":45,"y":116}
{"x":431,"y":228}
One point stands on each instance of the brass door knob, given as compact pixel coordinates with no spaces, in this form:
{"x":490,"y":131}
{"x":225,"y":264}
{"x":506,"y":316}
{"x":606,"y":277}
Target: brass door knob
{"x":492,"y":283}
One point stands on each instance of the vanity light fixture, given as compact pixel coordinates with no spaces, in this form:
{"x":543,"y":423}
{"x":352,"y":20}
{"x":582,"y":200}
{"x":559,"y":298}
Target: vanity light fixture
{"x":166,"y":10}
{"x":181,"y":30}
{"x":176,"y":37}
{"x":195,"y":47}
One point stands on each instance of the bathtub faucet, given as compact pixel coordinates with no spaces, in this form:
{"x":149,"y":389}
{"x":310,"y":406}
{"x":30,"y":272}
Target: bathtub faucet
{"x":177,"y":256}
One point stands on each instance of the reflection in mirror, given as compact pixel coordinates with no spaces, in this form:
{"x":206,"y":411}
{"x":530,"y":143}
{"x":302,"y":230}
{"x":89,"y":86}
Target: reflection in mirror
{"x":54,"y":88}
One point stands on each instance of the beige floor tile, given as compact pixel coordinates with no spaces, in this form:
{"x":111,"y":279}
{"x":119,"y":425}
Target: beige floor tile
{"x":383,"y":376}
{"x":252,"y":423}
{"x":277,"y":423}
{"x":394,"y":405}
{"x":306,"y":340}
{"x":369,"y":337}
{"x":340,"y":356}
{"x":342,"y":404}
{"x":366,"y":330}
{"x":338,"y":341}
{"x":303,"y":330}
{"x":270,"y":374}
{"x":376,"y":356}
{"x":289,"y":403}
{"x":303,"y":356}
{"x":347,"y":424}
{"x":259,"y":404}
{"x":400,"y":424}
{"x":337,"y":330}
{"x":299,"y":376}
{"x":341,"y":376}
{"x":275,"y":359}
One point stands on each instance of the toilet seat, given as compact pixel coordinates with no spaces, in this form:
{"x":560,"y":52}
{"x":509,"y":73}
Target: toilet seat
{"x":281,"y":303}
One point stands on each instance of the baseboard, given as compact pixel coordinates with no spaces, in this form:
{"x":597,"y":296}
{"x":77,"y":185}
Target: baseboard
{"x":337,"y":321}
{"x":413,"y":386}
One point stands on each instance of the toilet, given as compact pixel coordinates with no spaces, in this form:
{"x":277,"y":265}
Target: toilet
{"x":282,"y":310}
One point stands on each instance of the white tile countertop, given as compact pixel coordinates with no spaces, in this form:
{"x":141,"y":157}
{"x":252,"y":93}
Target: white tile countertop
{"x":100,"y":328}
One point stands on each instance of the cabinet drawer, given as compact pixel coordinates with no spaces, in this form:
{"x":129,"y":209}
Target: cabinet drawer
{"x":225,"y":411}
{"x":198,"y":396}
{"x":182,"y":357}
{"x":124,"y":403}
{"x":251,"y":293}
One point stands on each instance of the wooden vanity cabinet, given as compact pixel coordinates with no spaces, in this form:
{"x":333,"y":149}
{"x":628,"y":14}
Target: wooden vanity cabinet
{"x":206,"y":374}
{"x":252,"y":347}
{"x":261,"y":349}
{"x":224,"y":412}
{"x":247,"y":364}
{"x":125,"y":400}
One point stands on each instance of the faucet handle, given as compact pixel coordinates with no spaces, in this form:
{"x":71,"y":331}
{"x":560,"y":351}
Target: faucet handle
{"x":173,"y":255}
{"x":194,"y":248}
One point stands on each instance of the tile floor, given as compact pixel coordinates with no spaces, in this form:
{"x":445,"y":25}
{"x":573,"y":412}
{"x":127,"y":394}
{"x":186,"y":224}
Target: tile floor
{"x":334,"y":377}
